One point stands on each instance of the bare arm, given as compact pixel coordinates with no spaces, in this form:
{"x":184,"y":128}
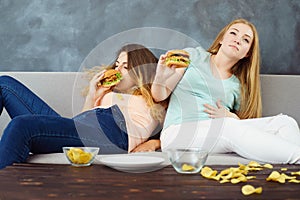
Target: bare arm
{"x":95,"y":92}
{"x":150,"y":145}
{"x":166,"y":79}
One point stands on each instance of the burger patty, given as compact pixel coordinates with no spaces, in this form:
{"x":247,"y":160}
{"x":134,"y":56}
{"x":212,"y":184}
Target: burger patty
{"x":109,"y":79}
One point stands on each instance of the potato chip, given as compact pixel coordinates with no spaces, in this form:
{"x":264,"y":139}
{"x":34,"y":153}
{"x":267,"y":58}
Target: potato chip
{"x":207,"y":172}
{"x":269,"y":166}
{"x":249,"y":189}
{"x":256,"y":168}
{"x":216,"y":177}
{"x":186,"y":167}
{"x":288,"y":177}
{"x":295,"y":173}
{"x":85,"y":158}
{"x":241,"y":166}
{"x":230,"y":173}
{"x":276,"y":177}
{"x":254,"y":164}
{"x":70,"y":156}
{"x":238,"y":180}
{"x":225,"y":171}
{"x":78,"y":156}
{"x":250,"y":177}
{"x":237,"y":174}
{"x":228,"y":176}
{"x":294,"y":181}
{"x":242,"y":178}
{"x":224,"y":181}
{"x":235,"y":180}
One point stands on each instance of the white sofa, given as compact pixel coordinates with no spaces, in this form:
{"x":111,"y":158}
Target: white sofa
{"x":61,"y":90}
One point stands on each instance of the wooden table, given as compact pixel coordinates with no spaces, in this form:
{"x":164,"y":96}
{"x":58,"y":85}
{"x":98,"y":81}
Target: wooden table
{"x":45,"y":181}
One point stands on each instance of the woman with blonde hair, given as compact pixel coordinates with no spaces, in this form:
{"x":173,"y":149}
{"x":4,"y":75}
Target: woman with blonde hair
{"x":117,"y":119}
{"x":215,"y":102}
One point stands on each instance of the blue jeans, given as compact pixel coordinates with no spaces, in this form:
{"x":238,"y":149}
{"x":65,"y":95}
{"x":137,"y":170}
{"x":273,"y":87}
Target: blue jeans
{"x":37,"y":128}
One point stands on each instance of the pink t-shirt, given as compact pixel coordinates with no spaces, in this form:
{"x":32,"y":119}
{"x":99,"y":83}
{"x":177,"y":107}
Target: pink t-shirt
{"x":139,"y":122}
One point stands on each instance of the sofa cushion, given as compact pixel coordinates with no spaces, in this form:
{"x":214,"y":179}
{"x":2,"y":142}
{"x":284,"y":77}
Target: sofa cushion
{"x":213,"y":159}
{"x":61,"y":90}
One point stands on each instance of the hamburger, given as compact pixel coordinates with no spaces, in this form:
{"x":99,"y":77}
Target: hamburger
{"x":111,"y":78}
{"x":177,"y":57}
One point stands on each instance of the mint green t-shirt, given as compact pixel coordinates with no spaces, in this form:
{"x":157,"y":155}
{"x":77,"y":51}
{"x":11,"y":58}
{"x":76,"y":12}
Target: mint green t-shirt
{"x":199,"y":86}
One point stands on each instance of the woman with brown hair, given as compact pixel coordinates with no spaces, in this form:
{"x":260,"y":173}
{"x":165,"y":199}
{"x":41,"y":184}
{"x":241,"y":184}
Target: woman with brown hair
{"x":117,"y":119}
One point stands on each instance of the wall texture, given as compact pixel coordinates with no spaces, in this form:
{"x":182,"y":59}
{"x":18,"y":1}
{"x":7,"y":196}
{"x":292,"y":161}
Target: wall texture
{"x":59,"y":35}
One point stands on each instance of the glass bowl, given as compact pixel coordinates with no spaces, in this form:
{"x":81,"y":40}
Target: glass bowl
{"x":187,"y":160}
{"x":81,"y":156}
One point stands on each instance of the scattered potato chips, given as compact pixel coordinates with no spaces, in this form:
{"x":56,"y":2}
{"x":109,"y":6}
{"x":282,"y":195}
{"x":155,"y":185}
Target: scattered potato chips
{"x":249,"y":189}
{"x":281,"y":178}
{"x":238,"y":174}
{"x":78,"y":156}
{"x":233,"y":174}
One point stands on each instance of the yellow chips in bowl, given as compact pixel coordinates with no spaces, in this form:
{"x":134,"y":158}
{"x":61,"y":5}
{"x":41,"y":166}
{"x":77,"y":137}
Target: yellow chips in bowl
{"x":81,"y":156}
{"x":78,"y":156}
{"x":187,"y":167}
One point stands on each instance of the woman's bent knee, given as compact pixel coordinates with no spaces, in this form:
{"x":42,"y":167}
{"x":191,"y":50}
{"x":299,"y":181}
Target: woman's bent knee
{"x":5,"y":79}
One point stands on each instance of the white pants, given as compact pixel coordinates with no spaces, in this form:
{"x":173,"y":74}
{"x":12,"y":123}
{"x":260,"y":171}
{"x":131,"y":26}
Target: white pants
{"x":270,"y":139}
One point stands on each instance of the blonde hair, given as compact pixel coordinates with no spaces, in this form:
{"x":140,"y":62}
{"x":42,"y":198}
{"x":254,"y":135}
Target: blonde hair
{"x":141,"y":65}
{"x":247,"y":71}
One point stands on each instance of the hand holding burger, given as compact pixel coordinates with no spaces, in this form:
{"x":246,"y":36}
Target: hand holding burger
{"x":177,"y":57}
{"x":110,"y":78}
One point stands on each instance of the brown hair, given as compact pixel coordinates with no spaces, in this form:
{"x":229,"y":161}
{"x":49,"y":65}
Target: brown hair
{"x":141,"y":65}
{"x":247,"y":71}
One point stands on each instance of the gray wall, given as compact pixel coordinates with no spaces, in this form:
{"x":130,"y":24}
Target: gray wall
{"x":61,"y":35}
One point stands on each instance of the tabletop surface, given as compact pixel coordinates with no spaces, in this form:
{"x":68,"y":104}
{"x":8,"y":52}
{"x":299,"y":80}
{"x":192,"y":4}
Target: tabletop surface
{"x":46,"y":181}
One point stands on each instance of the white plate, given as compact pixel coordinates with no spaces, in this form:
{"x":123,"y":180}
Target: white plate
{"x":133,"y":163}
